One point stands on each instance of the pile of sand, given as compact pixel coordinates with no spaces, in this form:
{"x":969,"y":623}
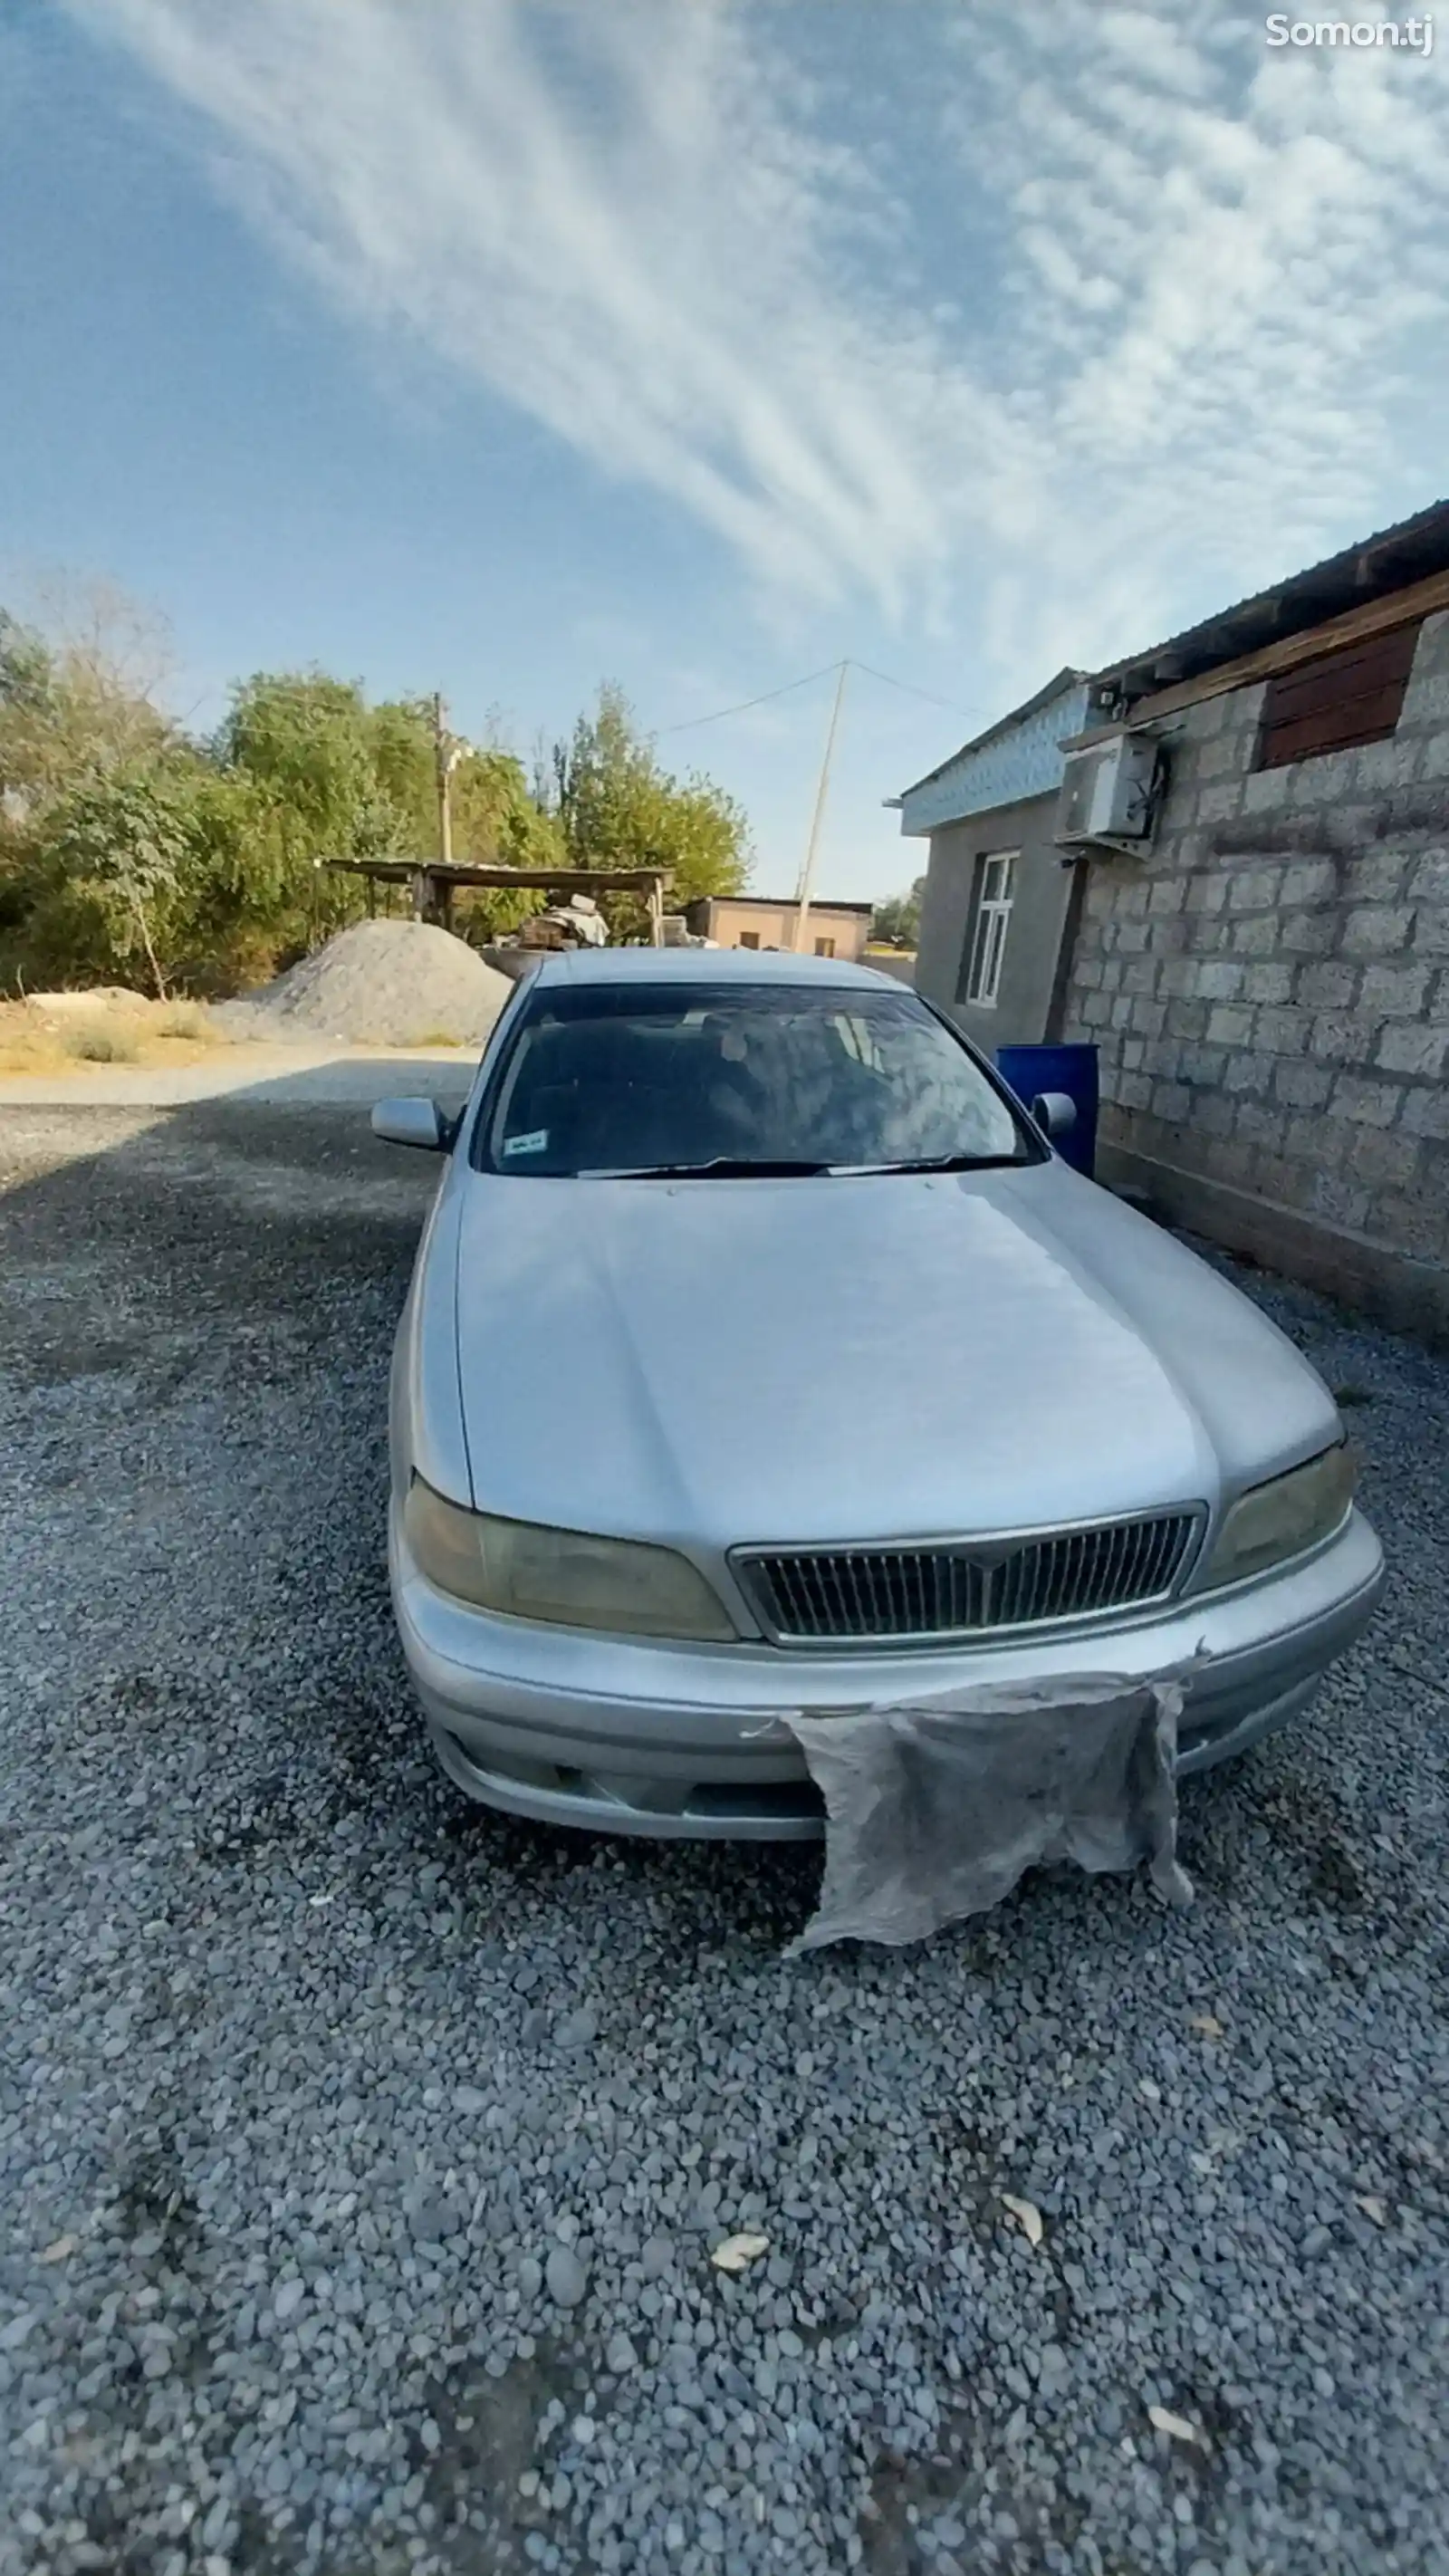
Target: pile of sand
{"x":383,"y":983}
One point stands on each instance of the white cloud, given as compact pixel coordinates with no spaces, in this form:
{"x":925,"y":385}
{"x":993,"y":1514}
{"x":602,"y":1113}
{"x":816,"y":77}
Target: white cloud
{"x":1209,"y":267}
{"x":1257,"y":234}
{"x":612,"y":216}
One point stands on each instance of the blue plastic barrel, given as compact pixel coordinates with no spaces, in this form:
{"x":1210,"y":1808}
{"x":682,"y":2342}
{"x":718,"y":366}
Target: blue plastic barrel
{"x":1033,"y":1069}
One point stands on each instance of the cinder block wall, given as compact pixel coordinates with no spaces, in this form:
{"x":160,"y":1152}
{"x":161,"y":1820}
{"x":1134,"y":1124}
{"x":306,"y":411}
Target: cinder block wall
{"x":1269,"y":989}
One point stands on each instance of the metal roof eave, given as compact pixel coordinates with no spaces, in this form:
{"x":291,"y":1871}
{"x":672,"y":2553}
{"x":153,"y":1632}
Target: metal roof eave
{"x":1392,"y":559}
{"x":1066,"y":678}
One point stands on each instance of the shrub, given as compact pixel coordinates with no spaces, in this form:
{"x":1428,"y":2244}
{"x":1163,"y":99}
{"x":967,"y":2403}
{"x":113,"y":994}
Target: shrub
{"x":183,"y":1020}
{"x":95,"y":1043}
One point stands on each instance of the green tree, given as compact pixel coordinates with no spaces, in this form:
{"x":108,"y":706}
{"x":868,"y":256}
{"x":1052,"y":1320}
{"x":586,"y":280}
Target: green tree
{"x":235,"y":915}
{"x":92,"y":837}
{"x":334,"y":778}
{"x":28,"y":711}
{"x":400,"y":749}
{"x":496,"y":821}
{"x":127,"y":849}
{"x":899,"y":919}
{"x":109,"y":870}
{"x":617,"y":807}
{"x":73,"y":704}
{"x":306,"y":742}
{"x":28,"y":764}
{"x":303,"y":745}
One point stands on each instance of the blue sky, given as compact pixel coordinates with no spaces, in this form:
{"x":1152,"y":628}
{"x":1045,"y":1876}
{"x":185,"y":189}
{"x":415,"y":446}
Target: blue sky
{"x":500,"y":347}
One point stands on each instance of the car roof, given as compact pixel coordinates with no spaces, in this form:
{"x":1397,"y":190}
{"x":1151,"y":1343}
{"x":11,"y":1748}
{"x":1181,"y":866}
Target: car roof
{"x":702,"y":966}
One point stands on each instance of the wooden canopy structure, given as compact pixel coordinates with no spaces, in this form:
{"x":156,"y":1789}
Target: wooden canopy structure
{"x":432,"y":883}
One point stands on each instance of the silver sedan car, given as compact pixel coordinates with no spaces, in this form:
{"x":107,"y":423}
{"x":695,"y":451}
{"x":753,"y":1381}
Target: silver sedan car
{"x":762,"y":1355}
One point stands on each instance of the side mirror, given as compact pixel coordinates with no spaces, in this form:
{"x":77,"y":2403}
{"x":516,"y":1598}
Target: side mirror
{"x":413,"y":1122}
{"x":1055,"y":1112}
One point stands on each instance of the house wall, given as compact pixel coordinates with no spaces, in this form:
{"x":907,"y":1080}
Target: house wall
{"x":1042,"y":887}
{"x":1269,"y":989}
{"x":773,"y":925}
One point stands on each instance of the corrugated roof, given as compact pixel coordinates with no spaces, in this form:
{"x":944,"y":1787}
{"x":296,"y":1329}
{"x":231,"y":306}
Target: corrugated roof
{"x":1391,"y":559}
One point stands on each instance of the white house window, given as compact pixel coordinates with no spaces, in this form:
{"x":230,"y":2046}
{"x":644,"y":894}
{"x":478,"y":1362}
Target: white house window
{"x":988,"y":931}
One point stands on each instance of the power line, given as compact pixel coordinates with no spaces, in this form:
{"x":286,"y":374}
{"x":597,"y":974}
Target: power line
{"x":913,"y":692}
{"x":746,"y":703}
{"x":848,"y":663}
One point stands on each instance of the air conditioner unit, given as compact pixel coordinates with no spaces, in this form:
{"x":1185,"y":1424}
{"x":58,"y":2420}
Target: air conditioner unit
{"x":1111,"y":793}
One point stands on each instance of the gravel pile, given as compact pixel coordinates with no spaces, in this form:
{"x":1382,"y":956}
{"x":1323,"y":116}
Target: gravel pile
{"x":382,"y":983}
{"x":363,"y":2156}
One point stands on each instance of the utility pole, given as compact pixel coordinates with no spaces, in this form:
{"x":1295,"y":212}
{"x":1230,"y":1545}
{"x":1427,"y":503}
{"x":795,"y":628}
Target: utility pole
{"x":807,"y":873}
{"x":445,"y":761}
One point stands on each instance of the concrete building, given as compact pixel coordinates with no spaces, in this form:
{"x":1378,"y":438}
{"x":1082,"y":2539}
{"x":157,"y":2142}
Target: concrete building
{"x":1265,"y":972}
{"x":997,"y":906}
{"x":759,"y":921}
{"x":1268,"y":982}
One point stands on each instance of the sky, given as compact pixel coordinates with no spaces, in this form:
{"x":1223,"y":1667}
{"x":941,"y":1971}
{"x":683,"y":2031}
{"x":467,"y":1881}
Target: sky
{"x":503,"y":347}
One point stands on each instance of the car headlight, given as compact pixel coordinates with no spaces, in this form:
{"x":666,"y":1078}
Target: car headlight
{"x":1285,"y":1518}
{"x":563,"y":1577}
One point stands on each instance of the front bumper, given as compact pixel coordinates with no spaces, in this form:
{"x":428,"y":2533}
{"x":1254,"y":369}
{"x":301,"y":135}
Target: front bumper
{"x":673,"y":1740}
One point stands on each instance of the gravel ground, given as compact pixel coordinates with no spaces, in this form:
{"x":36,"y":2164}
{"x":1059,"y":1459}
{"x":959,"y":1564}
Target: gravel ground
{"x":290,"y":1074}
{"x":382,"y":983}
{"x":362,"y":2155}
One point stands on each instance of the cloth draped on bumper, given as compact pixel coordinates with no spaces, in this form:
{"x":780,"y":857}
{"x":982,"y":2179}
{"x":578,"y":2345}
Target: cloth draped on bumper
{"x":934,"y":1811}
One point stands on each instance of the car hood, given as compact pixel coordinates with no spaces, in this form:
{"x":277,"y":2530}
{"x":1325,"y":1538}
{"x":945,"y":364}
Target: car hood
{"x":847,"y":1359}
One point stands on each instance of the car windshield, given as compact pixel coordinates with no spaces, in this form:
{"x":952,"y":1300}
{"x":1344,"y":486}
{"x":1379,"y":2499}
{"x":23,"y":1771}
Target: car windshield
{"x":700,"y":1081}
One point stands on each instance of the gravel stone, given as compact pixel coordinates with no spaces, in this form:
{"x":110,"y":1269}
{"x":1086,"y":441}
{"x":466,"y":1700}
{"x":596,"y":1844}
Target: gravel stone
{"x":566,"y":2276}
{"x":264,"y":1978}
{"x":578,"y":2029}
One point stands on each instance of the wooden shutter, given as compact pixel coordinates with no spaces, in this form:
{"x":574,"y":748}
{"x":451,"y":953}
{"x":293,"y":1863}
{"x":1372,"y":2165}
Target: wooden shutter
{"x":1336,"y":700}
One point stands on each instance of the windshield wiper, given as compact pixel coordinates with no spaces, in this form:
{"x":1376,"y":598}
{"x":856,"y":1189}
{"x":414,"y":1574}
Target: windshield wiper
{"x":722,"y":1167}
{"x":740,"y":1167}
{"x":929,"y":1163}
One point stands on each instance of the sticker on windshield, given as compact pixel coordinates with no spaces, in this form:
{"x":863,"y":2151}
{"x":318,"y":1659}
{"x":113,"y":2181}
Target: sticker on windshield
{"x":535,"y":1142}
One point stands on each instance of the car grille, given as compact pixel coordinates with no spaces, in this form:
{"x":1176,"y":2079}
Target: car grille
{"x":970,"y":1588}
